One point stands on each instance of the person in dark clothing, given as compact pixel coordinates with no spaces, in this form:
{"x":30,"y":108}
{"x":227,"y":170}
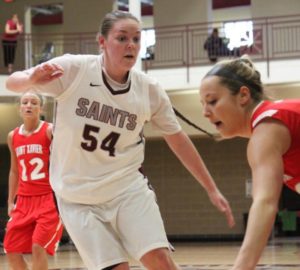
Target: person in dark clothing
{"x":215,"y":47}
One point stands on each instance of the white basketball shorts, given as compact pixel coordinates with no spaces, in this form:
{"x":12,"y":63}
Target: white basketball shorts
{"x":107,"y":233}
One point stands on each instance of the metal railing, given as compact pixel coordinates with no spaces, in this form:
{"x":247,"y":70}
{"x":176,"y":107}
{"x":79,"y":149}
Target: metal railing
{"x":274,"y":38}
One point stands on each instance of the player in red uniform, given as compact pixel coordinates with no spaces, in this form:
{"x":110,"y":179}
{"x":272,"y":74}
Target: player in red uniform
{"x":233,"y":100}
{"x":34,"y":225}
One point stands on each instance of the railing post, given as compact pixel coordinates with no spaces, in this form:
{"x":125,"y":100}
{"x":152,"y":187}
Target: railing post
{"x":267,"y":45}
{"x":28,"y":50}
{"x":146,"y":65}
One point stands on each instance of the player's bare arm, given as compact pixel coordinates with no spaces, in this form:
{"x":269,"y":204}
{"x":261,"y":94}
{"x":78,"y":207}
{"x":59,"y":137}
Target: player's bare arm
{"x":272,"y":140}
{"x":13,"y":176}
{"x":21,"y":81}
{"x":186,"y":152}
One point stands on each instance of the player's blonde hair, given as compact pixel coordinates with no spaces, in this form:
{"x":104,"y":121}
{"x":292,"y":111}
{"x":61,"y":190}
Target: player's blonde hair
{"x":237,"y":73}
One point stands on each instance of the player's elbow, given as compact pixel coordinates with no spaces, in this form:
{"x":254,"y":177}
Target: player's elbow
{"x":16,"y":83}
{"x":10,"y":85}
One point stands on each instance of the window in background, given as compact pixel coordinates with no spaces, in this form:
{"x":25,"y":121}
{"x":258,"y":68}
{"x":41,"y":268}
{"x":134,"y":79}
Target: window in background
{"x":239,"y":34}
{"x":147,"y":44}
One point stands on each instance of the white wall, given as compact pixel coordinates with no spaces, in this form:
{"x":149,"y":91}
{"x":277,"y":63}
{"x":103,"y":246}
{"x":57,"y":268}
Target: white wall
{"x":267,"y":8}
{"x":147,"y":22}
{"x":176,"y":79}
{"x":230,"y":14}
{"x":283,"y":82}
{"x":9,"y":119}
{"x":169,"y":12}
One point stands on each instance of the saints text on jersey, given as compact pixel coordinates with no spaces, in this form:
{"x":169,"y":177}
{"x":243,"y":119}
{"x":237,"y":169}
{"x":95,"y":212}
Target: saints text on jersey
{"x":106,"y":114}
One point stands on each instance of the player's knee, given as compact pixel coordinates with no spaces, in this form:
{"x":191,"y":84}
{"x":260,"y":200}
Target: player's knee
{"x":165,"y":262}
{"x":158,"y":259}
{"x":38,"y":250}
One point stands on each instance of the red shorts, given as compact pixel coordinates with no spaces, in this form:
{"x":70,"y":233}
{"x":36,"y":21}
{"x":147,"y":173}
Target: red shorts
{"x":34,"y":220}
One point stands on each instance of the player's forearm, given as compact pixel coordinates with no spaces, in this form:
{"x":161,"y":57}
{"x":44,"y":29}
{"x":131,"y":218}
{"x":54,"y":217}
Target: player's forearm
{"x":259,"y":226}
{"x":12,"y":188}
{"x":186,"y":152}
{"x":199,"y":170}
{"x":12,"y":31}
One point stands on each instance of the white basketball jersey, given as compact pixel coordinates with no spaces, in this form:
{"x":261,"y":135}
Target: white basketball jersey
{"x":98,"y":144}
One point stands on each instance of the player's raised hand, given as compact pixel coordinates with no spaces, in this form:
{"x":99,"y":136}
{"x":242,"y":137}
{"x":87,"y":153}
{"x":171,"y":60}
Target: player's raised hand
{"x":45,"y":73}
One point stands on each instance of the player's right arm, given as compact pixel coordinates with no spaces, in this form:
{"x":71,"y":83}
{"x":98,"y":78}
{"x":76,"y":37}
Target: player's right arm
{"x":13,"y":178}
{"x":270,"y":140}
{"x":21,"y":81}
{"x":49,"y":131}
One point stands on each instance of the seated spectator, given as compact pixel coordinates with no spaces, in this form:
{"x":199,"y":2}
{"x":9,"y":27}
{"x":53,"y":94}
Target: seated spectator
{"x":216,"y":46}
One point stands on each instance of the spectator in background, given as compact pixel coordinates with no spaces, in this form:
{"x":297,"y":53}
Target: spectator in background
{"x":216,"y":46}
{"x":9,"y":41}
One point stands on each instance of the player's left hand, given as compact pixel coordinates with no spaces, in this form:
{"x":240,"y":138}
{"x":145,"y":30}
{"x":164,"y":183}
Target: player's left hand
{"x":45,"y":72}
{"x":222,"y":204}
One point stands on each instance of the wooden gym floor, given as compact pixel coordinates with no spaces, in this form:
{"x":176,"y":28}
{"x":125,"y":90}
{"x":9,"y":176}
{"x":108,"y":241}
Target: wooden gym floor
{"x":280,"y":254}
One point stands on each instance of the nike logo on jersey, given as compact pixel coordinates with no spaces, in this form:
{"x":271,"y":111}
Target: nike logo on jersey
{"x":94,"y":85}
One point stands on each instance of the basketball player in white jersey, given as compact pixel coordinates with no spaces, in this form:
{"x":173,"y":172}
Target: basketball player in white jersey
{"x":98,"y":149}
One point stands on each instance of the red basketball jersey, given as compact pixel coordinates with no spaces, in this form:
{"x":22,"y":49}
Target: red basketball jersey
{"x":288,"y":112}
{"x":33,"y":160}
